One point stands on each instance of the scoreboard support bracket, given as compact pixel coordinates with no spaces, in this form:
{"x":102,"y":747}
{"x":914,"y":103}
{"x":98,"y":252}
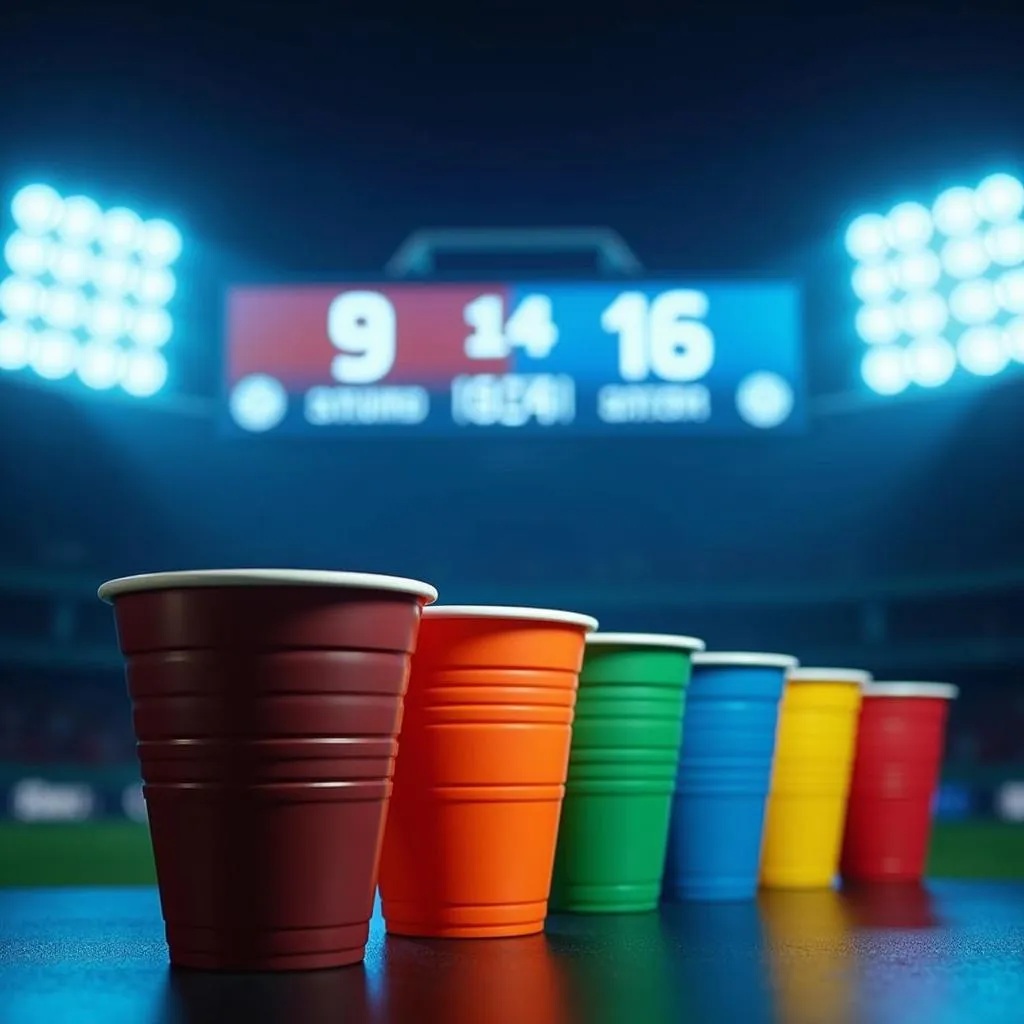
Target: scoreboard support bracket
{"x":417,"y":255}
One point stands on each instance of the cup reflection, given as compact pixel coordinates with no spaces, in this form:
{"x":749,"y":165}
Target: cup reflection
{"x":463,"y":981}
{"x":811,"y":955}
{"x":309,"y":997}
{"x":722,"y":974}
{"x":618,"y":967}
{"x":890,"y":905}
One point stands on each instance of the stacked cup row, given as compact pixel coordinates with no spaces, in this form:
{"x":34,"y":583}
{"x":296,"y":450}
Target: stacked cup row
{"x":304,"y":735}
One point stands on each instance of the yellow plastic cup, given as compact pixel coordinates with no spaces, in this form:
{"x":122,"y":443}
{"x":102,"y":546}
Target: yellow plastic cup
{"x":811,"y":777}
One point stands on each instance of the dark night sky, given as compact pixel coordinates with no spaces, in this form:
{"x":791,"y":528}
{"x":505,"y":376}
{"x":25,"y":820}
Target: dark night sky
{"x":310,"y":137}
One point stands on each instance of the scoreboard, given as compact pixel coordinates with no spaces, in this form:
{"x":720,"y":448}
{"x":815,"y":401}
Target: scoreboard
{"x":551,"y":358}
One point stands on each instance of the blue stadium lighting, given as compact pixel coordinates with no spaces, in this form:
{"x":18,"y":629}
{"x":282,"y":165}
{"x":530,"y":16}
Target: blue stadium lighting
{"x":53,"y":354}
{"x":1009,"y":290}
{"x":68,"y":265}
{"x":161,"y":243}
{"x":79,"y":221}
{"x":27,"y":255}
{"x":884,"y":369}
{"x":941,"y":287}
{"x":922,"y":314}
{"x":873,"y":284}
{"x":909,"y":227}
{"x":1005,"y":244}
{"x":108,"y":319}
{"x":86,"y":291}
{"x":974,"y":302}
{"x":1015,"y":338}
{"x":1000,"y":198}
{"x":964,"y":258}
{"x":867,"y":238}
{"x":145,"y":373}
{"x":14,"y":346}
{"x":37,"y":209}
{"x":982,"y":351}
{"x":878,"y":325}
{"x":929,"y":362}
{"x":101,"y":365}
{"x":916,"y":271}
{"x":955,"y":212}
{"x":121,"y":231}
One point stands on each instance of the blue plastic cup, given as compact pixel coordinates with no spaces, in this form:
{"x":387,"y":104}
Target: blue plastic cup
{"x":724,"y":775}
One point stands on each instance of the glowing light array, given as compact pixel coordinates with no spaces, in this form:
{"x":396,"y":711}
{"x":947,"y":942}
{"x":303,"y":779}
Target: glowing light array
{"x":86,"y":292}
{"x":941,"y":287}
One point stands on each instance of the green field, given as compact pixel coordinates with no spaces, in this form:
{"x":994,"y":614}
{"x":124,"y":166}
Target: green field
{"x":119,"y":854}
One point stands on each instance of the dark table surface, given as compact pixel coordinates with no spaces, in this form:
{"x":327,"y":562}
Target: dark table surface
{"x":951,"y":952}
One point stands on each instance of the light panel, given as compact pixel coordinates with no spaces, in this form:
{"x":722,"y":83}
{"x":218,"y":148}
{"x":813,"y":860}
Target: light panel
{"x":941,"y":286}
{"x":86,"y":292}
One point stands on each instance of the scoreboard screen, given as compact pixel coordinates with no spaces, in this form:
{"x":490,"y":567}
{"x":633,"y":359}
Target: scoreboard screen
{"x":551,"y":358}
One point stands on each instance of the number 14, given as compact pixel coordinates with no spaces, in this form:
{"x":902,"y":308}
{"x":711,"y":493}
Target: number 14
{"x":531,"y":327}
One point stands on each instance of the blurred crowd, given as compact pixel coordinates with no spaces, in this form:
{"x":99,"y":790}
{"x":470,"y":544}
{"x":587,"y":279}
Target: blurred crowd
{"x":76,"y":723}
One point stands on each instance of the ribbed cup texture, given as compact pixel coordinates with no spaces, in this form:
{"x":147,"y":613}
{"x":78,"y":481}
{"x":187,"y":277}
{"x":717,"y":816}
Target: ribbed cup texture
{"x":813,"y":762}
{"x":267,"y":720}
{"x":895,"y":775}
{"x":722,"y":782}
{"x":622,"y":766}
{"x":480,"y":777}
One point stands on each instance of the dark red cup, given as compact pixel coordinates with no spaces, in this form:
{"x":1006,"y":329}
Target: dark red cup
{"x":895,"y":774}
{"x":267,"y":705}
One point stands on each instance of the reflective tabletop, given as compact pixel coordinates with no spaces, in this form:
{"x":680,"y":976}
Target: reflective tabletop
{"x":953,"y":951}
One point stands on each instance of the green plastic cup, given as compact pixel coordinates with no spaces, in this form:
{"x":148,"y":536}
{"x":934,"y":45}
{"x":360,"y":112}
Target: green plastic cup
{"x":622,"y":770}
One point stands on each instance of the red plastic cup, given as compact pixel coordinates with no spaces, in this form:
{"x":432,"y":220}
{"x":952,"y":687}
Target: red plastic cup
{"x":895,"y":774}
{"x":267,"y":705}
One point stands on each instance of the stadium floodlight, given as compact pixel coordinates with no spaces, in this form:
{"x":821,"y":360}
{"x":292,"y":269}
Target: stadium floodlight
{"x":982,"y":351}
{"x":885,"y":369}
{"x":930,"y":362}
{"x":87,"y":289}
{"x":941,"y":287}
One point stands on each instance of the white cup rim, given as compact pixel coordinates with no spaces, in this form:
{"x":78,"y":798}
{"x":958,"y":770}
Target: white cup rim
{"x":744,"y":659}
{"x":512,"y":613}
{"x":671,"y":640}
{"x":263,"y":578}
{"x":940,"y":691}
{"x":830,"y":675}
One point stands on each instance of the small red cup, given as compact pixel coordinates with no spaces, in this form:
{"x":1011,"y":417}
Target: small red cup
{"x":895,"y":774}
{"x":267,"y":705}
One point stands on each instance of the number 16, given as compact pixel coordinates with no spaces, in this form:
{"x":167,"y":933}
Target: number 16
{"x":663,"y":336}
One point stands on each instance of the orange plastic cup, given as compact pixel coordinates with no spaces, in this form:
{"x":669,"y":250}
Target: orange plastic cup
{"x":469,"y":844}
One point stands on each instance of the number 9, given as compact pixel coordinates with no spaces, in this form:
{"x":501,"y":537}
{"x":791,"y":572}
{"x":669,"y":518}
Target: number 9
{"x":361,"y":325}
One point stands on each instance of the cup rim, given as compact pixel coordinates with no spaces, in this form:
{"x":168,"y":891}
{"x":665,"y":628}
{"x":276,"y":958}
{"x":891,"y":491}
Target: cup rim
{"x":677,"y":642}
{"x":745,"y":659}
{"x":830,"y":675}
{"x":512,"y":612}
{"x":193,"y":578}
{"x":942,"y":691}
